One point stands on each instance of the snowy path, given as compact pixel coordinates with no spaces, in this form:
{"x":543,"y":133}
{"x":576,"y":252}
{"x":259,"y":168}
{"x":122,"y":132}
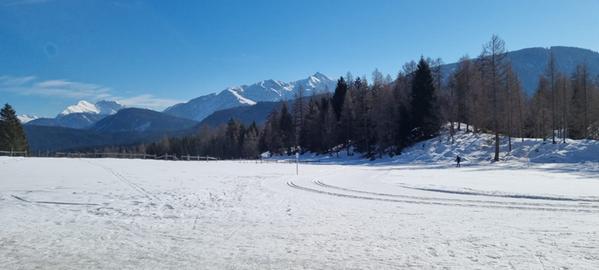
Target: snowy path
{"x":447,"y":202}
{"x":134,"y":214}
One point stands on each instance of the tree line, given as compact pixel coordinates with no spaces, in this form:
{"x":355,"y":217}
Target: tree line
{"x":386,"y":115}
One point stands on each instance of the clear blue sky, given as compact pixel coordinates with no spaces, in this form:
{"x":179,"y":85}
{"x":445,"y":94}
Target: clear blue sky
{"x":154,"y":53}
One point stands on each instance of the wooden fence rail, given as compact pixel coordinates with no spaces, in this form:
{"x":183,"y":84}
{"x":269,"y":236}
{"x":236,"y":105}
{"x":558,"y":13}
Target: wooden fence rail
{"x":13,"y":153}
{"x":111,"y":155}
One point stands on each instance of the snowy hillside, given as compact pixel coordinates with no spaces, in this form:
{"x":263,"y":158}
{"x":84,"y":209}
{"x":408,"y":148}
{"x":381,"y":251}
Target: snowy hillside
{"x":268,"y":90}
{"x":478,"y":149}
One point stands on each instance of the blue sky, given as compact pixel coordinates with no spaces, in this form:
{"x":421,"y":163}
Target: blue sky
{"x":155,"y":53}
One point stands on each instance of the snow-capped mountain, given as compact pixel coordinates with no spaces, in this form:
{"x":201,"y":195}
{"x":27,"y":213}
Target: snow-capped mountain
{"x":25,"y":118}
{"x":81,"y":115}
{"x":247,"y":95}
{"x":103,"y":107}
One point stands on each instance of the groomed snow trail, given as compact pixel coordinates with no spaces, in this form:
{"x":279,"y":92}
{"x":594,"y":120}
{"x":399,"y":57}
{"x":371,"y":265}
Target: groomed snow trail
{"x":444,"y":201}
{"x":143,"y":214}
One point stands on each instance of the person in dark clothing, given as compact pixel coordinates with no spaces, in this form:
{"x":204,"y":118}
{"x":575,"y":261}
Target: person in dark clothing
{"x":458,"y":159}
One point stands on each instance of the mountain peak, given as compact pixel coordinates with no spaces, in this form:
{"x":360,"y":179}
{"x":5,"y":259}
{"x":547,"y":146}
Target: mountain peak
{"x":81,"y":107}
{"x":103,"y":107}
{"x":320,"y":76}
{"x":25,"y":118}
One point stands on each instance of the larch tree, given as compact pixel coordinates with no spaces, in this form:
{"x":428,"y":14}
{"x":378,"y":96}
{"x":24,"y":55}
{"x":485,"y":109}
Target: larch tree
{"x":552,"y":75}
{"x":494,"y":63}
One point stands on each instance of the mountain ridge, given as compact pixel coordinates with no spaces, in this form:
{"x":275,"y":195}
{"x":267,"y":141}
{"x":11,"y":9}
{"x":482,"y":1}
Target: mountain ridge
{"x":247,"y":95}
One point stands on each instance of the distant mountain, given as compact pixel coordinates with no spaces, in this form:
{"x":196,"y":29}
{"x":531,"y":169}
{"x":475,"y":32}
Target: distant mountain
{"x":53,"y":138}
{"x":141,"y":120}
{"x":71,"y":120}
{"x":81,"y":115}
{"x":244,"y":114}
{"x":103,"y":107}
{"x":530,"y":63}
{"x":26,"y":118}
{"x":247,"y":95}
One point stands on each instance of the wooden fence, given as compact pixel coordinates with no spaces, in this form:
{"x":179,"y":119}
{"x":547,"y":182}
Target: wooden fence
{"x":13,"y":153}
{"x":107,"y":155}
{"x":133,"y":156}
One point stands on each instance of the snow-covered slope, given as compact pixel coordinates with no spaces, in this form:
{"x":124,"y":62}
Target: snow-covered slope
{"x":81,"y":107}
{"x":25,"y":118}
{"x":477,"y":148}
{"x":103,"y":107}
{"x":244,"y":95}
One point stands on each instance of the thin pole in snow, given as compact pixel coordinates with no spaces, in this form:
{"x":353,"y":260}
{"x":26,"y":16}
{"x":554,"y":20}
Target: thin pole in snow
{"x":296,"y":163}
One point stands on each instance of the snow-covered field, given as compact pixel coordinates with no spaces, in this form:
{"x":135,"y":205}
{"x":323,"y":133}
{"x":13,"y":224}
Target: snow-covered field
{"x":142,"y":214}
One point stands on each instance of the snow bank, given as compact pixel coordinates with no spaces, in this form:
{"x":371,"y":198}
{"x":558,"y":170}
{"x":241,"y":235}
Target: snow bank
{"x":474,"y":148}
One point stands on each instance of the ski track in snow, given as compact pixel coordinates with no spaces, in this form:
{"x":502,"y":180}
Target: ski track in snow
{"x":133,"y":214}
{"x":581,"y":206}
{"x":431,"y":201}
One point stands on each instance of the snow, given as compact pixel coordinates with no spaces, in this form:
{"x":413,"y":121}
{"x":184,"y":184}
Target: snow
{"x":146,"y":214}
{"x":101,"y":107}
{"x":81,"y":107}
{"x":475,"y":149}
{"x":24,"y":118}
{"x":241,"y":99}
{"x":267,"y":90}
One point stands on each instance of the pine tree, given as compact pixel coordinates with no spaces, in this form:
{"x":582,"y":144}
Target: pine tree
{"x":312,"y":127}
{"x":250,"y":142}
{"x":233,"y":138}
{"x":12,"y":135}
{"x":425,"y":117}
{"x":286,"y":128}
{"x":347,"y":122}
{"x":339,"y":97}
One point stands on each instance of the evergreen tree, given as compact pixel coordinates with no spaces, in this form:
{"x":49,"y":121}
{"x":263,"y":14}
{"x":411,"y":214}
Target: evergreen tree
{"x":312,"y":127}
{"x":425,"y":118}
{"x":250,"y":142}
{"x":286,"y":129}
{"x":339,"y":97}
{"x":233,"y":139}
{"x":12,"y":135}
{"x":347,"y":122}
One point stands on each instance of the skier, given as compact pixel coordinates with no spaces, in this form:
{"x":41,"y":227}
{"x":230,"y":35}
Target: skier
{"x":458,"y":159}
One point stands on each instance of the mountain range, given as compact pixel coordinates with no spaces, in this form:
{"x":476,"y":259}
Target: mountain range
{"x":248,"y":95}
